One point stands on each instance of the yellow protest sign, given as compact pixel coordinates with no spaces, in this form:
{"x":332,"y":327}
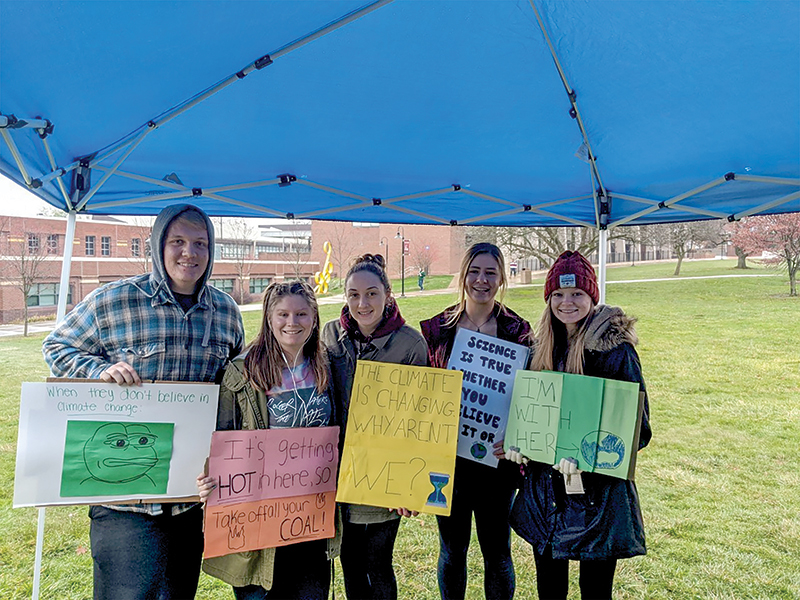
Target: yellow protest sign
{"x":402,"y":433}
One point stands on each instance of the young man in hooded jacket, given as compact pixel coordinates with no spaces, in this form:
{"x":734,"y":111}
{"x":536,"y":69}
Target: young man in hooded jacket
{"x":166,"y":325}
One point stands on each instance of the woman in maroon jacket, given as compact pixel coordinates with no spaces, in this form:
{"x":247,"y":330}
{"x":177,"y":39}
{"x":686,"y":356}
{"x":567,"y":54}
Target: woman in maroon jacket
{"x":480,"y":489}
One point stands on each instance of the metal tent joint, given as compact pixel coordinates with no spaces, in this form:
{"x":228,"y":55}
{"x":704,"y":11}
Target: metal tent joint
{"x":262,"y":62}
{"x":286,"y":179}
{"x":604,"y":208}
{"x":730,"y":176}
{"x":526,"y":207}
{"x":456,"y":187}
{"x":376,"y":202}
{"x":47,"y":129}
{"x":9,"y":122}
{"x":197,"y":192}
{"x":290,"y":216}
{"x":81,"y":180}
{"x":453,"y":222}
{"x":732,"y":218}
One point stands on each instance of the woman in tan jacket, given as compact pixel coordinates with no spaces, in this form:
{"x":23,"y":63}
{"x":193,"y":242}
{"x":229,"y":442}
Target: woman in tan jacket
{"x":369,"y":328}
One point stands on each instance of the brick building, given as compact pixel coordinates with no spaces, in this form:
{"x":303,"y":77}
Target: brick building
{"x":247,"y":257}
{"x":436,"y":248}
{"x":106,"y":249}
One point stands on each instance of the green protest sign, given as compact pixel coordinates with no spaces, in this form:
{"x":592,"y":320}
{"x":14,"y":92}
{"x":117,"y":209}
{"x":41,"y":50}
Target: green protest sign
{"x":562,"y":415}
{"x":109,"y":458}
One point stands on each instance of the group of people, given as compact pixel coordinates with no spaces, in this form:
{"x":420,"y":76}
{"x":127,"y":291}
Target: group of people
{"x":171,"y":325}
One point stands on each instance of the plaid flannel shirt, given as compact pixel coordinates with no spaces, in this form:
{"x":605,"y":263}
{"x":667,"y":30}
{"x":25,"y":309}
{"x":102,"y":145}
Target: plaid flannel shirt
{"x":138,"y":321}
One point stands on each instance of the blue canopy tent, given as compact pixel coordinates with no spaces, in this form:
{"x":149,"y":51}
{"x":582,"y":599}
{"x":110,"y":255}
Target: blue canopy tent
{"x":543,"y":113}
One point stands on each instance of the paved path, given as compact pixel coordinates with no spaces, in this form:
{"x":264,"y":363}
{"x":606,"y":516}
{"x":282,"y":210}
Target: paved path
{"x":15,"y":329}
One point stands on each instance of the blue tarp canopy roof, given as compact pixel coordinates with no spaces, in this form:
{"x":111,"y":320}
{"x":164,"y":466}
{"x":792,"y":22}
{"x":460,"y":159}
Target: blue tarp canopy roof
{"x":550,"y":112}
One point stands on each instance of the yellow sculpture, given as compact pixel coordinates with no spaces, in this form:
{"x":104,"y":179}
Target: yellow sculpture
{"x":323,"y":277}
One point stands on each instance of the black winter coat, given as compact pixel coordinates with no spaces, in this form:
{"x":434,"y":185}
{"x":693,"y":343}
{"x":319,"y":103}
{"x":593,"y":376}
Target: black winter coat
{"x":606,"y":521}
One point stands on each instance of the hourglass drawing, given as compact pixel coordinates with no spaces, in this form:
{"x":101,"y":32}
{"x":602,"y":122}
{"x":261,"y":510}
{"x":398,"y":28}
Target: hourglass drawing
{"x":438,"y":481}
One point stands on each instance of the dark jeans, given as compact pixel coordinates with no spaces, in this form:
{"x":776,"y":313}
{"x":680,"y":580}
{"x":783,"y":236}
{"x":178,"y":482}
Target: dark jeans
{"x":487,"y":493}
{"x":144,"y":557}
{"x":302,"y":572}
{"x":552,"y":577}
{"x":367,"y":560}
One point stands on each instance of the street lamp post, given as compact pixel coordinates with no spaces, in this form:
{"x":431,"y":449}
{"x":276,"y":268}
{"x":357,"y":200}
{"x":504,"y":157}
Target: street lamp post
{"x":385,"y":242}
{"x":401,"y":234}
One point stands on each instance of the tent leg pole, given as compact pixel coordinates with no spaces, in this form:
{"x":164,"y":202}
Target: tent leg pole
{"x":602,"y":256}
{"x":37,"y":565}
{"x":63,"y":290}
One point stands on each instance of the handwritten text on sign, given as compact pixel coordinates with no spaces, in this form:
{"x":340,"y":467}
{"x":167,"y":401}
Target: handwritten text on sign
{"x":563,"y":415}
{"x":48,"y":411}
{"x":489,"y":366}
{"x":401,"y":438}
{"x":274,"y":487}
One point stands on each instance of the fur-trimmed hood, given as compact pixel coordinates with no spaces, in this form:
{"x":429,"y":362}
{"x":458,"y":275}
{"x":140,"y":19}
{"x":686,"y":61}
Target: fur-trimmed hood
{"x":609,"y":328}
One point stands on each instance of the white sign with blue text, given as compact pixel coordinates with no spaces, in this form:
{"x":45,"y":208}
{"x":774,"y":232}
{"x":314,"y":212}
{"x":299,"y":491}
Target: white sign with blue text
{"x":489,"y":365}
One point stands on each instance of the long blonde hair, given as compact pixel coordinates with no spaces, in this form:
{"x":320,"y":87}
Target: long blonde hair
{"x":475,"y":250}
{"x":263,"y":365}
{"x":551,"y":332}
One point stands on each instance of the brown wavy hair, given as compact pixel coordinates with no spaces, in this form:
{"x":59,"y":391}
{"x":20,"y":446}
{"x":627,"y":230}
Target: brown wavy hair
{"x":264,"y":362}
{"x":372,"y":263}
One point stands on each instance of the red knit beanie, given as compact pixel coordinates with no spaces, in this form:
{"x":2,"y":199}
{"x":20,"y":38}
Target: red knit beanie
{"x":571,"y":269}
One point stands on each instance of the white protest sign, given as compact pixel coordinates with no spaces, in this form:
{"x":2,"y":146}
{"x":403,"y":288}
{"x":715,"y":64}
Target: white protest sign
{"x":489,"y":365}
{"x":90,"y":442}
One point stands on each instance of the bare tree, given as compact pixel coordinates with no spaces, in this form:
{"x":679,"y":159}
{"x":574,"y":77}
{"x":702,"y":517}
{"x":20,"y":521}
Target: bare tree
{"x":630,"y":236}
{"x":684,"y":237}
{"x":423,"y":254}
{"x":343,"y":247}
{"x":27,"y":265}
{"x":296,"y":251}
{"x":139,"y":244}
{"x":238,"y":247}
{"x":51,"y":211}
{"x":546,"y":243}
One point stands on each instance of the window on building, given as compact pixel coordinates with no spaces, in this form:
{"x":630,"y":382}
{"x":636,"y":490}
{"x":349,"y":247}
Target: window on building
{"x":258,"y":284}
{"x":136,"y":247}
{"x":52,"y":243}
{"x":89,"y":245}
{"x":46,"y":294}
{"x":268,"y":248}
{"x":33,"y":243}
{"x":225,"y":285}
{"x":105,"y":245}
{"x":233,"y":250}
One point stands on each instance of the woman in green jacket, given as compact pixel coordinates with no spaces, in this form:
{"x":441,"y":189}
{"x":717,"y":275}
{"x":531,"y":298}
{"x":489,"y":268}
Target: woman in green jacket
{"x":281,"y":381}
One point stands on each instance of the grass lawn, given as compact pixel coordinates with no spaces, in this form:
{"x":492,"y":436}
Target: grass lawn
{"x":719,"y":482}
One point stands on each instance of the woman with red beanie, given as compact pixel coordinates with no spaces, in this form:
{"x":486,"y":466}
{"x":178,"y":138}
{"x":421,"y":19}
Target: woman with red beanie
{"x":603,"y":523}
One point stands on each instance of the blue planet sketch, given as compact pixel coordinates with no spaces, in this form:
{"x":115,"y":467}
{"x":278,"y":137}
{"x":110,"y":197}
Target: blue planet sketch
{"x":607,"y":452}
{"x":478,"y":450}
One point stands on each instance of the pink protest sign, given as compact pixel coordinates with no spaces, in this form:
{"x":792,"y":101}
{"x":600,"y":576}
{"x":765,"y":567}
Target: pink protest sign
{"x":272,"y":463}
{"x":269,"y":523}
{"x":274,"y":487}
